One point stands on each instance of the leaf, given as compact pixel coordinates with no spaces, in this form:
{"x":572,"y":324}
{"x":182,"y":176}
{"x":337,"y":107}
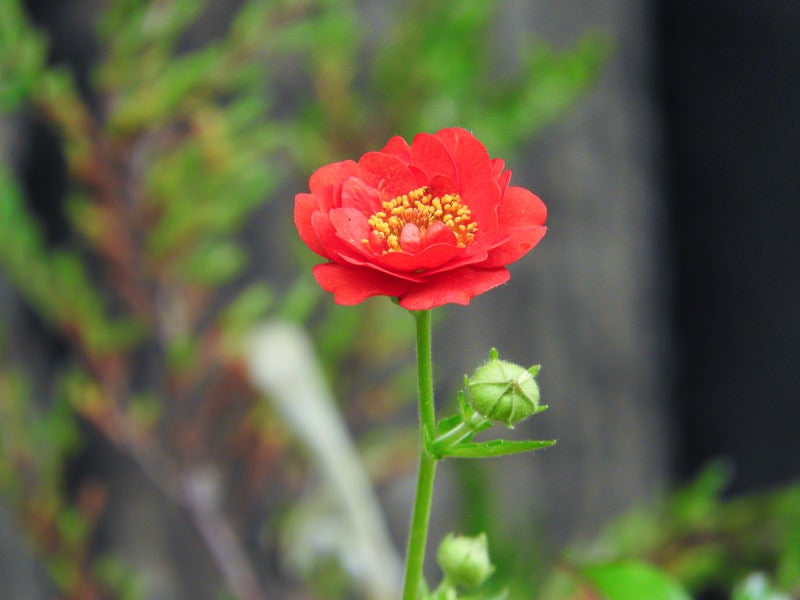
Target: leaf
{"x":23,"y":54}
{"x":248,"y":307}
{"x":496,"y":448}
{"x":214,"y":262}
{"x":697,"y":501}
{"x":633,"y":580}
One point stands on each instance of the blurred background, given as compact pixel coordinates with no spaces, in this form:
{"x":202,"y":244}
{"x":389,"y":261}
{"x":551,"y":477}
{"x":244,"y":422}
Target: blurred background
{"x":149,"y":156}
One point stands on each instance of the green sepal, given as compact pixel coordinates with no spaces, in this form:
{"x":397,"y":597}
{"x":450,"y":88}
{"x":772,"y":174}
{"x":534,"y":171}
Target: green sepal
{"x":448,"y":424}
{"x":469,"y":417}
{"x":495,"y":448}
{"x":457,"y":429}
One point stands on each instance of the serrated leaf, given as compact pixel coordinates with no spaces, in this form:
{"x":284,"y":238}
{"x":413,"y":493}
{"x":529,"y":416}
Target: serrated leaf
{"x":495,"y":448}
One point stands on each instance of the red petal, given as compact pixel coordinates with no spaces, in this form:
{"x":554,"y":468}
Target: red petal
{"x":390,"y":175}
{"x":439,"y":233}
{"x":430,"y":155}
{"x":377,"y":262}
{"x":427,"y":259}
{"x":453,"y":287}
{"x":477,"y":182}
{"x":350,"y":224}
{"x":333,"y":174}
{"x":336,"y":244}
{"x":470,"y":156}
{"x":498,"y":164}
{"x":474,"y":254}
{"x":351,"y":285}
{"x":398,"y":147}
{"x":305,"y":205}
{"x":357,"y":194}
{"x":439,"y":185}
{"x":325,"y":233}
{"x":483,"y":197}
{"x":522,"y":215}
{"x":501,"y":177}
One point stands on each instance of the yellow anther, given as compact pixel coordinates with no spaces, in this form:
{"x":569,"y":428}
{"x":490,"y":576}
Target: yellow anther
{"x":422,"y":209}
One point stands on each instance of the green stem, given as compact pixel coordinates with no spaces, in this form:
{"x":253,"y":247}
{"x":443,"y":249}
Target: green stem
{"x":415,"y":552}
{"x":458,"y":434}
{"x":447,"y":440}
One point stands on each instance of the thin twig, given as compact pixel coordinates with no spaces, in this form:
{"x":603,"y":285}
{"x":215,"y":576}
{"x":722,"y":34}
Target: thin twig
{"x":200,"y":497}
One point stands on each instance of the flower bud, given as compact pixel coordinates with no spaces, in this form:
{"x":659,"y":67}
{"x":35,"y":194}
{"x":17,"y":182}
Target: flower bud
{"x":503,"y":391}
{"x":465,"y":560}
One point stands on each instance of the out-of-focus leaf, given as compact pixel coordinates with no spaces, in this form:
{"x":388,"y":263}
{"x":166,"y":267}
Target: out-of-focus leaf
{"x":152,"y":102}
{"x":115,"y":574}
{"x":549,"y":83}
{"x":251,"y":305}
{"x":697,"y":501}
{"x":299,"y":300}
{"x":129,"y":27}
{"x":22,"y":56}
{"x":73,"y":527}
{"x":633,"y":580}
{"x":214,"y":263}
{"x":145,"y":411}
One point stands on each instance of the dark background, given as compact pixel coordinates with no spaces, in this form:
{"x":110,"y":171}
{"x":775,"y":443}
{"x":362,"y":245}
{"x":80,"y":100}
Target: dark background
{"x":728,"y":84}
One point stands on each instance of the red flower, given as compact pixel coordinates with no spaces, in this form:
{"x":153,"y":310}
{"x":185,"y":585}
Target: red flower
{"x":430,"y":223}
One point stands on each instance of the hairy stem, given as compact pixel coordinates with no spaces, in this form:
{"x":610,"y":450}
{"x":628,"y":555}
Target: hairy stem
{"x":415,"y":552}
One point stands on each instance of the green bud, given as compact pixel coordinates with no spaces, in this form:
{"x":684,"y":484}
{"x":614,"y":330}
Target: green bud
{"x":465,"y":560}
{"x":503,"y":391}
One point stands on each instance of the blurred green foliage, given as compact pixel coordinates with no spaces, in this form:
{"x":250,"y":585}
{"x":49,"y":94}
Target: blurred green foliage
{"x":190,"y":125}
{"x":695,"y":538}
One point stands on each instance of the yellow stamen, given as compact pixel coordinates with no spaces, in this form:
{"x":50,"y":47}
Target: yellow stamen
{"x":422,"y":209}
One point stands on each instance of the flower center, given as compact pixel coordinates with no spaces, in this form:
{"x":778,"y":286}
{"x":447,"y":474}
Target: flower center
{"x":407,"y":222}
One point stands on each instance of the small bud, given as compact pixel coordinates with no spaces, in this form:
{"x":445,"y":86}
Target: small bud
{"x":465,"y":560}
{"x":503,"y":391}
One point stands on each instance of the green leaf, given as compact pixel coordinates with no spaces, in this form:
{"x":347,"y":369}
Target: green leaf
{"x":495,"y":448}
{"x":248,"y":307}
{"x":458,"y":430}
{"x":73,"y":527}
{"x":788,"y":571}
{"x":118,"y":576}
{"x":214,"y":262}
{"x":699,"y":500}
{"x":633,"y":580}
{"x":23,"y":54}
{"x":501,"y":595}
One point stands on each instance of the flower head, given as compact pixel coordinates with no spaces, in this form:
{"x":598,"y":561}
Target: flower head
{"x":430,"y":223}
